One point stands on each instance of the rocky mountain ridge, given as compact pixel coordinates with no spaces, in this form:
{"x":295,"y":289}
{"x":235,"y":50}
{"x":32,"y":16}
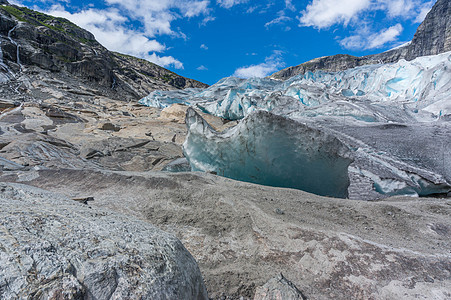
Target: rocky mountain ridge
{"x":433,"y":36}
{"x":31,"y":39}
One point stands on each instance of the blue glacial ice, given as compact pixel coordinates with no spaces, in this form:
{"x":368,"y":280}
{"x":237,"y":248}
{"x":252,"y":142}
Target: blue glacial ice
{"x":416,"y":86}
{"x":273,"y":150}
{"x":393,"y":118}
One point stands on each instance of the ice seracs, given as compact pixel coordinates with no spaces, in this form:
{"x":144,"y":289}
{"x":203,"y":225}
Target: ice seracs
{"x":411,"y":86}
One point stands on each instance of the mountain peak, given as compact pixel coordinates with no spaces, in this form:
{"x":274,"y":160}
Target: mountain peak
{"x":433,"y":37}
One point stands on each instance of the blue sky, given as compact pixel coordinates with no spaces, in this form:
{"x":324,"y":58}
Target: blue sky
{"x":211,"y":39}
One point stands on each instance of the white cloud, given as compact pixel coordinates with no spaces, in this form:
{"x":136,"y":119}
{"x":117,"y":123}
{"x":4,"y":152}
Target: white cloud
{"x":202,"y":68}
{"x":289,"y":5}
{"x":109,"y":28}
{"x":423,"y":11}
{"x":157,"y":15}
{"x":206,"y":20}
{"x":272,"y":63}
{"x":396,"y":8}
{"x":325,"y":13}
{"x":230,"y":3}
{"x":359,"y":16}
{"x":164,"y":60}
{"x":408,"y":9}
{"x":203,"y":46}
{"x":279,"y":20}
{"x":194,"y":8}
{"x":364,"y":39}
{"x":322,"y":14}
{"x":385,"y":36}
{"x":354,"y":42}
{"x":252,"y":9}
{"x":20,"y":2}
{"x":283,"y":17}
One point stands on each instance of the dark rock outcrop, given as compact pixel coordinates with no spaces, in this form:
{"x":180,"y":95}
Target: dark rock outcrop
{"x":432,"y":37}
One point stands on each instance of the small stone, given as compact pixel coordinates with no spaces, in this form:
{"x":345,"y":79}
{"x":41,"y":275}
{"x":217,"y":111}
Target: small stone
{"x":111,"y":127}
{"x":279,"y":211}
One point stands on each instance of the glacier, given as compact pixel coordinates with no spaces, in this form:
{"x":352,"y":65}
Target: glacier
{"x":273,"y":150}
{"x":393,"y":118}
{"x":410,"y":86}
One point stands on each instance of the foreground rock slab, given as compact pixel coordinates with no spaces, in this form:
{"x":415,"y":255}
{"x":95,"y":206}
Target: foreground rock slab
{"x":243,"y":234}
{"x":52,"y":247}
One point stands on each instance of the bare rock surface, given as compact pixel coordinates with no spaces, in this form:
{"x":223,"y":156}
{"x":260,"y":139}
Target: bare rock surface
{"x":174,"y":113}
{"x":242,"y":234}
{"x":177,"y":113}
{"x":54,"y":134}
{"x":52,"y":247}
{"x":278,"y":288}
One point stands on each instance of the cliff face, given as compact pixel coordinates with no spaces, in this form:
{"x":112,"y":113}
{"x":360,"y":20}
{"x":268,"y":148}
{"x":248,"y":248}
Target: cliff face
{"x":434,"y":34}
{"x":32,"y":39}
{"x":432,"y":37}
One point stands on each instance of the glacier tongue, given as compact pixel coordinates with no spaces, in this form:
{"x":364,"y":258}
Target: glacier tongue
{"x":273,"y":150}
{"x":394,"y":118}
{"x":416,"y":88}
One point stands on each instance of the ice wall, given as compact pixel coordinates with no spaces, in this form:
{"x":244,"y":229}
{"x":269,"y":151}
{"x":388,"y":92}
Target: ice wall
{"x":420,"y":82}
{"x":272,"y":150}
{"x":163,"y":99}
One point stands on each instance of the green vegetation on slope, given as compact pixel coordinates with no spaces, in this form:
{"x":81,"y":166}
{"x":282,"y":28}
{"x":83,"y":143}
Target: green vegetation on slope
{"x":36,"y":18}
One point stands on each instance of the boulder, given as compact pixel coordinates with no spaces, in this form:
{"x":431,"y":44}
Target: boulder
{"x":174,"y":113}
{"x":52,"y":247}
